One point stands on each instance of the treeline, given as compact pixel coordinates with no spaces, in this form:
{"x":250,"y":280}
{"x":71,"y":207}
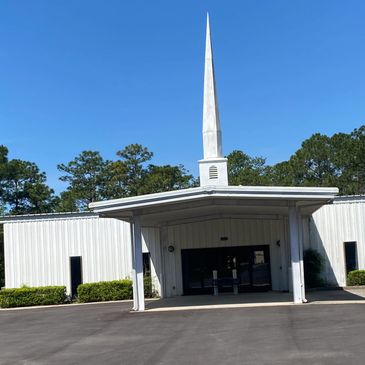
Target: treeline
{"x":89,"y":178}
{"x":338,"y":160}
{"x":321,"y":161}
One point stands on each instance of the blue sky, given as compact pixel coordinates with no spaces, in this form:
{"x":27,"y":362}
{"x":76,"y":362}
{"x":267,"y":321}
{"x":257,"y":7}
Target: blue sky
{"x":99,"y":75}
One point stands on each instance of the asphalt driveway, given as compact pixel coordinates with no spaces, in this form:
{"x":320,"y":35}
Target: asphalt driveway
{"x":109,"y":334}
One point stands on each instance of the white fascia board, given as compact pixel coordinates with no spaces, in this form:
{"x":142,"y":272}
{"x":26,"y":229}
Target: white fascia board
{"x":144,"y":199}
{"x":46,"y":216}
{"x":345,"y":199}
{"x":240,"y":192}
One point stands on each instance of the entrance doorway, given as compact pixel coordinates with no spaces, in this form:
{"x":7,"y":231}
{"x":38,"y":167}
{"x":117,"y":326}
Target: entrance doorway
{"x":350,"y":256}
{"x":251,"y":262}
{"x":76,"y":273}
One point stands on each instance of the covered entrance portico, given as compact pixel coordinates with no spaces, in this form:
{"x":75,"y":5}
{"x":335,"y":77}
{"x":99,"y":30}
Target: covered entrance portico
{"x":229,"y":219}
{"x":253,"y":232}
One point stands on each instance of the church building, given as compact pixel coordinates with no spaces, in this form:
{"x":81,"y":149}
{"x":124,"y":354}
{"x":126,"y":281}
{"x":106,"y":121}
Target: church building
{"x":214,"y":237}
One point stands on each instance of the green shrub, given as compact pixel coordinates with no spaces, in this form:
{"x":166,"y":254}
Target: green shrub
{"x":105,"y":290}
{"x":356,"y":277}
{"x":149,"y":291}
{"x":112,"y":290}
{"x":29,"y":296}
{"x":313,"y":266}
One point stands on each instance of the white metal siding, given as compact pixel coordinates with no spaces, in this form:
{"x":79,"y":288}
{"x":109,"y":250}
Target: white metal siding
{"x":37,"y":252}
{"x":151,"y":244}
{"x":240,"y":232}
{"x":330,"y":227}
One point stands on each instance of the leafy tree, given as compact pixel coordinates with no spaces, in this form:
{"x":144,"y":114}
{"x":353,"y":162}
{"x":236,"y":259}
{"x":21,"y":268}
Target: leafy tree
{"x":312,"y":164}
{"x":86,"y":176}
{"x":3,"y":163}
{"x":3,"y":155}
{"x":165,"y":178}
{"x":132,"y":167}
{"x":327,"y":161}
{"x":116,"y":185}
{"x":25,"y":190}
{"x":23,"y":187}
{"x":246,"y":170}
{"x":351,"y":160}
{"x":281,"y":174}
{"x":91,"y":178}
{"x":124,"y":176}
{"x":67,"y":202}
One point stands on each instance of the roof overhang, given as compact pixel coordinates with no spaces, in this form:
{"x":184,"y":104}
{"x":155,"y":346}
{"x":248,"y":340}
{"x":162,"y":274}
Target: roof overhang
{"x":224,"y":201}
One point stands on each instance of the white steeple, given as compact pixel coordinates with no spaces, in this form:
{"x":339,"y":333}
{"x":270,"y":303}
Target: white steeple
{"x":213,"y":168}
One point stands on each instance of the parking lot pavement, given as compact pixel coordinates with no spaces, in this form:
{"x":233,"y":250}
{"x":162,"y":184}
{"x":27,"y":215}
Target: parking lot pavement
{"x":110,"y":334}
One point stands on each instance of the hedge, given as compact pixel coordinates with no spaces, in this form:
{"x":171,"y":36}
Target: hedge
{"x":356,"y":277}
{"x":105,"y":290}
{"x":29,"y":296}
{"x":112,"y":290}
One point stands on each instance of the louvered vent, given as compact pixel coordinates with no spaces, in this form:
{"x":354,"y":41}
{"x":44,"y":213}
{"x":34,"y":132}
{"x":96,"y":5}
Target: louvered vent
{"x":213,"y":172}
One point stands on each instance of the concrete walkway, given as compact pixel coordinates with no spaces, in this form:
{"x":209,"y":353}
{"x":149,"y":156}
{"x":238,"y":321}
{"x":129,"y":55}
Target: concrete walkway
{"x":247,"y":300}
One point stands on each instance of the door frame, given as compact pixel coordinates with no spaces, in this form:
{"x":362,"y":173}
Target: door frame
{"x":209,"y":290}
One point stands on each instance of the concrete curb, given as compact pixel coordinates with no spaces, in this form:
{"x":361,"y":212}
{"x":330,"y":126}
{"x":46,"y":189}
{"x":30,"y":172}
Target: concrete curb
{"x":62,"y":305}
{"x":250,"y":305}
{"x":192,"y":307}
{"x":70,"y":305}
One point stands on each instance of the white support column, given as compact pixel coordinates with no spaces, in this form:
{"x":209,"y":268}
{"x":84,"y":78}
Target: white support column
{"x":137,"y":265}
{"x":163,"y":243}
{"x":295,"y":255}
{"x":134,"y":275}
{"x":299,"y":217}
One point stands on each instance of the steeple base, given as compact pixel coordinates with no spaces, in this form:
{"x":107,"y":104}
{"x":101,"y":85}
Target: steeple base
{"x":213,"y":171}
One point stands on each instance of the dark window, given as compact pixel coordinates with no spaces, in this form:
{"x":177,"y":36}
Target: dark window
{"x":350,"y":256}
{"x":146,"y":264}
{"x":76,"y":273}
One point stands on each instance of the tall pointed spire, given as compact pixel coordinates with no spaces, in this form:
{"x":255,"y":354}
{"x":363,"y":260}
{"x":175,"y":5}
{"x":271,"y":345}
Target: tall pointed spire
{"x":212,"y":135}
{"x":213,"y":168}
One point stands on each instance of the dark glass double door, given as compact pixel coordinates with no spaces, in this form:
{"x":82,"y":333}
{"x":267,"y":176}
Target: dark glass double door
{"x":251,"y":262}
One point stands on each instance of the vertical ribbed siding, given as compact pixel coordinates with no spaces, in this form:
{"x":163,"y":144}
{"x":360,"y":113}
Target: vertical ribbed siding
{"x":151,"y":244}
{"x":330,"y":227}
{"x":38,"y":252}
{"x":240,"y":232}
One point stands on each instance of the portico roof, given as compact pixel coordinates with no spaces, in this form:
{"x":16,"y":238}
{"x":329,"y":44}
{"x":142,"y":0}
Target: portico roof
{"x":217,"y":200}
